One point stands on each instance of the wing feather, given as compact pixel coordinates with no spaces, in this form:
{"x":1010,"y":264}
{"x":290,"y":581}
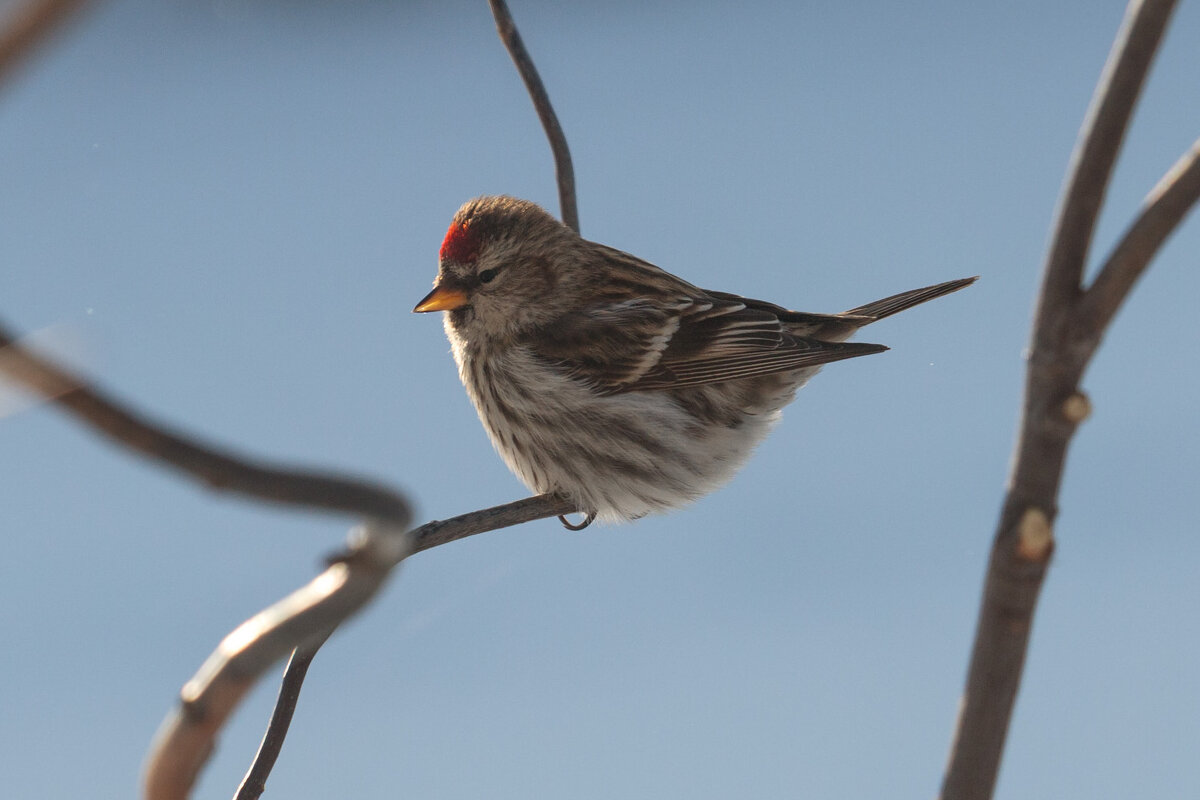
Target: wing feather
{"x":698,"y":337}
{"x":636,"y":345}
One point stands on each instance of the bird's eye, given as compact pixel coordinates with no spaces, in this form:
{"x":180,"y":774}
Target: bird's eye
{"x":487,"y":276}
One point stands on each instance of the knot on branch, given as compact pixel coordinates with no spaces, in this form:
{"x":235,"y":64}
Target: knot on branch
{"x":1035,"y":536}
{"x":1076,"y":408}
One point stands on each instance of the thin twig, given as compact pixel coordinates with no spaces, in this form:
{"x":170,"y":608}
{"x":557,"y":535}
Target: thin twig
{"x":217,"y":469}
{"x":1054,"y":406}
{"x":255,"y":782}
{"x":542,"y":506}
{"x":1163,"y":210}
{"x":541,"y":102}
{"x":28,"y":27}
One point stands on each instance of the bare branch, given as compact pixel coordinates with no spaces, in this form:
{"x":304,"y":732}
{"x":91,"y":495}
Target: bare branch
{"x":542,"y":506}
{"x":1095,"y":153}
{"x":1163,"y":210}
{"x":425,"y":537}
{"x":541,"y":101}
{"x":1064,"y":341}
{"x":302,"y":620}
{"x":217,"y":469}
{"x":28,"y":26}
{"x":255,"y":781}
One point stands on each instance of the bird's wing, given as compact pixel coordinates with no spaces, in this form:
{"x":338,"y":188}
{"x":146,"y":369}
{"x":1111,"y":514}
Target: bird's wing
{"x":828,"y":327}
{"x":738,"y":338}
{"x":644,"y":346}
{"x":610,"y":345}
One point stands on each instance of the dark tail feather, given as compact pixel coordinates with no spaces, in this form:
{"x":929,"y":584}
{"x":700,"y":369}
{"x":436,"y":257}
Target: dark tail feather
{"x":899,"y":302}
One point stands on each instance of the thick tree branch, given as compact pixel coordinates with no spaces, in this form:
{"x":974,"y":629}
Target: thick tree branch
{"x":1067,"y":326}
{"x":564,"y":171}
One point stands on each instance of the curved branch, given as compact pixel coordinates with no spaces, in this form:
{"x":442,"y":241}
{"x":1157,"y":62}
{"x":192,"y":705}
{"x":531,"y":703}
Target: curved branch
{"x":1063,"y":344}
{"x":299,"y":623}
{"x":217,"y":469}
{"x":301,"y":620}
{"x":541,"y":102}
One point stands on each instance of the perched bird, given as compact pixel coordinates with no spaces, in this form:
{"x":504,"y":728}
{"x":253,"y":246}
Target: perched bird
{"x":606,"y":379}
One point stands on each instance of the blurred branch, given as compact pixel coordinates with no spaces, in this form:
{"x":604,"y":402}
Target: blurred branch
{"x":27,"y":26}
{"x":211,"y":466}
{"x":302,"y":620}
{"x":299,"y":623}
{"x":1067,"y":328}
{"x":541,"y":102}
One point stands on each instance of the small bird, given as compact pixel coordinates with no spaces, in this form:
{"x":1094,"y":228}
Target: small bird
{"x":608,"y":380}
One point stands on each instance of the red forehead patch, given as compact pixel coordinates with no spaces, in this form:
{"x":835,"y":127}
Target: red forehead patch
{"x":461,"y":244}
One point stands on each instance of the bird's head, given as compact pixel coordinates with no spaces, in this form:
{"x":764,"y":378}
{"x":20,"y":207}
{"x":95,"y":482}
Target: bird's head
{"x":505,"y":264}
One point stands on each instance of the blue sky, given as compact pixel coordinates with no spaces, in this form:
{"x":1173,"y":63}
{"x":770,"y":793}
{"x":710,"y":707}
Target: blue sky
{"x":224,"y":213}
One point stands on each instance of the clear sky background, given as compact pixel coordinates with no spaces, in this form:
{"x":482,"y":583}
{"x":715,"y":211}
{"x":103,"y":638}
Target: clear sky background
{"x":224,"y":212}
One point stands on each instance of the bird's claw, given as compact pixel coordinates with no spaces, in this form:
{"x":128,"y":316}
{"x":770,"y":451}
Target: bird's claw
{"x":571,"y":526}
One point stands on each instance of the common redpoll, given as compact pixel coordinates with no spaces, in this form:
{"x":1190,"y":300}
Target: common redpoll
{"x":606,"y":379}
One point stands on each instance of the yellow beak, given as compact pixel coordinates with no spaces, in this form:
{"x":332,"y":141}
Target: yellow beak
{"x":442,"y":298}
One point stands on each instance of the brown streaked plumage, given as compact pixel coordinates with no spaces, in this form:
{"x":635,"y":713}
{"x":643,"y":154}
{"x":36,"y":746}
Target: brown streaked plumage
{"x":605,"y":378}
